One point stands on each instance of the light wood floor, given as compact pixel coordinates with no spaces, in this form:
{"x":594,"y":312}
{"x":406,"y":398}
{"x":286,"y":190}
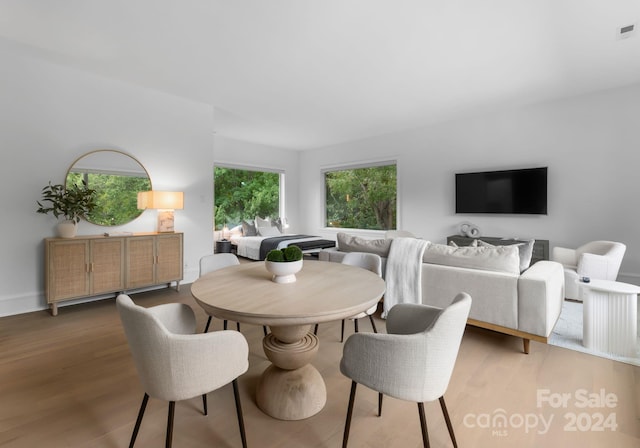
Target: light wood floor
{"x":69,"y":381}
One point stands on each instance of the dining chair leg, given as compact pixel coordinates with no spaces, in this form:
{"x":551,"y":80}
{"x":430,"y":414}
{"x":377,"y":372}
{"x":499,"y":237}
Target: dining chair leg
{"x":236,"y":395}
{"x":448,"y":421}
{"x":423,"y":425}
{"x":342,"y":332}
{"x":172,"y":408}
{"x":373,"y":324}
{"x":238,"y":325}
{"x":206,"y":328}
{"x":315,"y":330}
{"x":347,"y":425}
{"x":136,"y":428}
{"x":264,"y":329}
{"x":355,"y":324}
{"x":380,"y":404}
{"x":204,"y":404}
{"x":225,"y":324}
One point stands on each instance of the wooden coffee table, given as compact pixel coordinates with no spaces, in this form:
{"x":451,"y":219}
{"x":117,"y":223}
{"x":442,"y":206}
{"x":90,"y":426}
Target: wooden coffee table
{"x":291,"y":388}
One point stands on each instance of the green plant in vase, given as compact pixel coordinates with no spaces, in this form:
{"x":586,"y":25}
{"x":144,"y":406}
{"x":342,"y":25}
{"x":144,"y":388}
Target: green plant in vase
{"x":291,"y":253}
{"x":70,"y":204}
{"x":284,"y":263}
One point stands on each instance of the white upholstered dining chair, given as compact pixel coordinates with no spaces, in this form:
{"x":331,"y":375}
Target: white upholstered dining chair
{"x":414,"y":362}
{"x":213,"y":262}
{"x":398,"y":234}
{"x":370,"y":262}
{"x":596,"y":260}
{"x":373,"y":263}
{"x":174,"y":363}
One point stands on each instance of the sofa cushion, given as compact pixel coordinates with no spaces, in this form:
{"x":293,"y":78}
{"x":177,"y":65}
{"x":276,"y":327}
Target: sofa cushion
{"x":525,"y":251}
{"x":498,"y":258}
{"x":352,"y":243}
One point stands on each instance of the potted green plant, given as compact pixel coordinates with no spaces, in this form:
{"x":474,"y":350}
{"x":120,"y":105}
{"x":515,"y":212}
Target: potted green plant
{"x":284,"y":264}
{"x":71,"y":204}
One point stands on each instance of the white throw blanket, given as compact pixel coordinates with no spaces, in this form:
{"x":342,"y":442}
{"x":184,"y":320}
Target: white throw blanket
{"x":403,"y":274}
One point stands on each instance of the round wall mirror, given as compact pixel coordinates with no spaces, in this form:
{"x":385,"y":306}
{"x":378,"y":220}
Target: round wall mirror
{"x":117,"y":178}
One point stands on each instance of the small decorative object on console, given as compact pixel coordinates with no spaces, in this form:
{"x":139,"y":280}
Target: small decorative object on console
{"x":469,"y":229}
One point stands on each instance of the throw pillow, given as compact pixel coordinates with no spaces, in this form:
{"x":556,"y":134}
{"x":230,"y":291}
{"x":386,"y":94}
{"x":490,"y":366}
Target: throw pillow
{"x":259,"y":222}
{"x":351,"y":243}
{"x":249,"y":229}
{"x":268,"y":231}
{"x":525,"y":251}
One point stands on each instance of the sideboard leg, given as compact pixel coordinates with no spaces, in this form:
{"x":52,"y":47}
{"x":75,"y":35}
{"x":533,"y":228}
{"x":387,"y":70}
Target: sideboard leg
{"x":53,"y":307}
{"x":526,"y":345}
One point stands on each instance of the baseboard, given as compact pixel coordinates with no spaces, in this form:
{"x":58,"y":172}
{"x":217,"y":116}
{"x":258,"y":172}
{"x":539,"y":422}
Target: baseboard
{"x":29,"y":303}
{"x":20,"y":304}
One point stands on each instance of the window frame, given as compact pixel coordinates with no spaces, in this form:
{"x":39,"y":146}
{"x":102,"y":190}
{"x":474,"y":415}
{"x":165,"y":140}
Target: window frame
{"x":281,"y":183}
{"x":351,"y":166}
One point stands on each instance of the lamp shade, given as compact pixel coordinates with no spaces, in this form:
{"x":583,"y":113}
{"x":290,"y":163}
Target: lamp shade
{"x":164,"y":200}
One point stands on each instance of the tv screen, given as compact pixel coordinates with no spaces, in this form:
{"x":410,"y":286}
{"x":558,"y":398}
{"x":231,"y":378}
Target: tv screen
{"x":522,"y":191}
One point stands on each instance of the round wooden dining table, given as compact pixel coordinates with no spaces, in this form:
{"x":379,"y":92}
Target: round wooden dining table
{"x":291,"y":388}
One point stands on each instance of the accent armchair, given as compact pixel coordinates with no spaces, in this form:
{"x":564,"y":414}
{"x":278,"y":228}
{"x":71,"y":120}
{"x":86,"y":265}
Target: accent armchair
{"x":414,"y":362}
{"x":174,"y":363}
{"x":597,"y":259}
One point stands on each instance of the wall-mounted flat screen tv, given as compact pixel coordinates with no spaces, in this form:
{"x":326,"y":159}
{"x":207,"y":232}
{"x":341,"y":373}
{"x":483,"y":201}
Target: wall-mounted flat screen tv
{"x":522,"y":191}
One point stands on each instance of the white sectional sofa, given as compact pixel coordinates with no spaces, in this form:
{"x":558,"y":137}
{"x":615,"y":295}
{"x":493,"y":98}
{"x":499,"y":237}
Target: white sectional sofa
{"x":525,"y":304}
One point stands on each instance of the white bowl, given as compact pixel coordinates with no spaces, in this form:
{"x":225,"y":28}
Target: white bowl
{"x":283,"y":271}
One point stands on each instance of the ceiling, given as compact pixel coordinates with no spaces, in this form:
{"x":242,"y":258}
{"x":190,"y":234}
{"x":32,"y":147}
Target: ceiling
{"x":304,"y":74}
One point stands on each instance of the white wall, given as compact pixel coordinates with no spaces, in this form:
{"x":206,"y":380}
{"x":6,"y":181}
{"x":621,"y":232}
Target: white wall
{"x":238,"y":153}
{"x":590,"y":145}
{"x":49,"y":116}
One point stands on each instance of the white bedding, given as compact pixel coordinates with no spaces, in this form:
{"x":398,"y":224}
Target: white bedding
{"x":249,"y":246}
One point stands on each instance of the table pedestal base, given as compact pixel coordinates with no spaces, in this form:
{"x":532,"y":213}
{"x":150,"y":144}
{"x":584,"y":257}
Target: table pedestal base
{"x":291,"y":388}
{"x":291,"y":394}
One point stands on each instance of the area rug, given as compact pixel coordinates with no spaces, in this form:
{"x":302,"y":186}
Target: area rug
{"x":568,"y":334}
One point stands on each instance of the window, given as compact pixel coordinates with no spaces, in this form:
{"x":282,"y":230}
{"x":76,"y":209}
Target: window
{"x":244,"y":194}
{"x":361,"y":197}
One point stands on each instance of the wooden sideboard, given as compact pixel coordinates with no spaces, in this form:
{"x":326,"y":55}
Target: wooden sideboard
{"x":87,"y":266}
{"x":540,"y":247}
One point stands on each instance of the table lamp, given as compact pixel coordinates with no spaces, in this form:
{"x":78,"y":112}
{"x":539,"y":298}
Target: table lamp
{"x":225,"y":233}
{"x":165,"y":202}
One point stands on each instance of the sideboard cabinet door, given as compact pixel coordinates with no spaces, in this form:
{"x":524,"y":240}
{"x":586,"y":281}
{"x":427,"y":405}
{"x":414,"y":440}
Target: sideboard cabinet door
{"x":141,"y":256}
{"x":169,"y":258}
{"x":67,"y":269}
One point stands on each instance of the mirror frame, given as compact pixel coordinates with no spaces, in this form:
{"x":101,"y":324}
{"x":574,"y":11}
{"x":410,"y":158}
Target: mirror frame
{"x":118,"y":152}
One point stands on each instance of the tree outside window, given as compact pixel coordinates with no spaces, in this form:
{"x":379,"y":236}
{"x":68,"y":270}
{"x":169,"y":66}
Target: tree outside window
{"x":361,"y":198}
{"x":244,"y":194}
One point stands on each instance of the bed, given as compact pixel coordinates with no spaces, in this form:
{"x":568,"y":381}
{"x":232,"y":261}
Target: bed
{"x":257,"y":247}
